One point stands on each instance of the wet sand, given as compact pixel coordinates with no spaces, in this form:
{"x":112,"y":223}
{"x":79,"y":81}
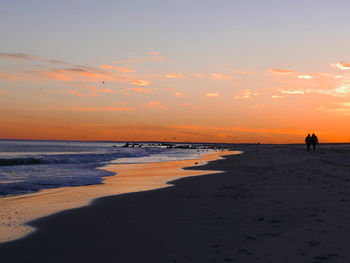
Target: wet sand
{"x":273,"y":203}
{"x":16,"y":211}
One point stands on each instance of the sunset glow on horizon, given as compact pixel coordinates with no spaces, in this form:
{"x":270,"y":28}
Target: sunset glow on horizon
{"x":201,"y":71}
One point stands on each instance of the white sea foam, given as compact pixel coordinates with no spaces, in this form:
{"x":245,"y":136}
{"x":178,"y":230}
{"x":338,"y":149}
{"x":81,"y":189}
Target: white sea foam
{"x":27,"y":166}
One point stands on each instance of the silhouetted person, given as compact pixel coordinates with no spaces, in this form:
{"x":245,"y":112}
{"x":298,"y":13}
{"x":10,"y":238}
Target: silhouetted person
{"x":308,"y":141}
{"x":314,"y":141}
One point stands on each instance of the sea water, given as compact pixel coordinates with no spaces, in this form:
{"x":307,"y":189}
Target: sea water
{"x":28,"y":166}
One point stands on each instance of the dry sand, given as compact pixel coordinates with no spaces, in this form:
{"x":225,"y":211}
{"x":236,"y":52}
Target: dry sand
{"x":16,"y":211}
{"x":275,"y":203}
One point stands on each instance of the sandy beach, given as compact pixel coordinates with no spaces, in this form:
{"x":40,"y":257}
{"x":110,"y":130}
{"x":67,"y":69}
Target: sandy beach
{"x":273,"y":203}
{"x":16,"y":211}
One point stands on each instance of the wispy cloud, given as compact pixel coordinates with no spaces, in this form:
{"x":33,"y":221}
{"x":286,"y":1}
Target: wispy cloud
{"x":278,"y":97}
{"x":87,"y":109}
{"x":174,"y":76}
{"x":74,"y":92}
{"x":73,"y":74}
{"x":155,"y":56}
{"x":58,"y":62}
{"x":345,"y":89}
{"x":292,"y":91}
{"x":280,"y":71}
{"x":126,"y":92}
{"x":88,"y":90}
{"x":245,"y":94}
{"x":212,"y":76}
{"x":340,"y":91}
{"x":12,"y":76}
{"x":219,"y":76}
{"x":141,"y":90}
{"x":342,"y":109}
{"x":304,"y":77}
{"x":19,"y":56}
{"x":341,"y":65}
{"x":189,"y":105}
{"x":62,"y":71}
{"x":140,"y":82}
{"x":155,"y":105}
{"x":212,"y":94}
{"x":129,"y":91}
{"x":178,"y":94}
{"x":120,"y":69}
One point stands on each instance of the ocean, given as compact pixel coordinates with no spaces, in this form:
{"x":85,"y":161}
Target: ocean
{"x":28,"y":166}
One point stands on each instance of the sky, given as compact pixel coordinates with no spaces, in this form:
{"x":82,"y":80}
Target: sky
{"x":192,"y":71}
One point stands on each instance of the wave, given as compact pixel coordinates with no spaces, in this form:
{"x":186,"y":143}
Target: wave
{"x":76,"y":158}
{"x":27,"y":173}
{"x":20,"y":161}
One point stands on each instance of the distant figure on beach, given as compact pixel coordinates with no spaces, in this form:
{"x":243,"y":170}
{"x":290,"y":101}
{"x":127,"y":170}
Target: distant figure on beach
{"x":308,"y":141}
{"x":314,"y":141}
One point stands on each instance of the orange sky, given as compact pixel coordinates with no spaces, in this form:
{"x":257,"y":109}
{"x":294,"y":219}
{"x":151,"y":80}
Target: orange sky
{"x":117,"y":101}
{"x":218,"y":74}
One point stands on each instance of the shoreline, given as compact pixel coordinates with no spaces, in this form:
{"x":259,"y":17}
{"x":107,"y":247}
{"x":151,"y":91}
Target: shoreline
{"x":272,"y":204}
{"x":19,"y":210}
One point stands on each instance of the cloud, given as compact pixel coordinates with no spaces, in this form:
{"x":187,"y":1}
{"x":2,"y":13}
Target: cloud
{"x":178,"y":94}
{"x":280,"y":71}
{"x":73,"y":74}
{"x":188,"y":105}
{"x":128,"y":91}
{"x":213,"y":76}
{"x":140,"y":82}
{"x":23,"y":57}
{"x":120,"y":69}
{"x":245,"y":94}
{"x":12,"y":76}
{"x":174,"y":76}
{"x":140,"y":90}
{"x":342,"y":89}
{"x":153,"y":53}
{"x":155,"y":56}
{"x":58,"y":62}
{"x":155,"y":105}
{"x":219,"y":76}
{"x":345,"y":104}
{"x":304,"y":77}
{"x":19,"y":56}
{"x":63,"y":71}
{"x":341,"y":65}
{"x":92,"y":90}
{"x":278,"y":97}
{"x":214,"y":94}
{"x":86,"y":109}
{"x":292,"y":91}
{"x":74,"y":92}
{"x":106,"y":90}
{"x":344,"y":110}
